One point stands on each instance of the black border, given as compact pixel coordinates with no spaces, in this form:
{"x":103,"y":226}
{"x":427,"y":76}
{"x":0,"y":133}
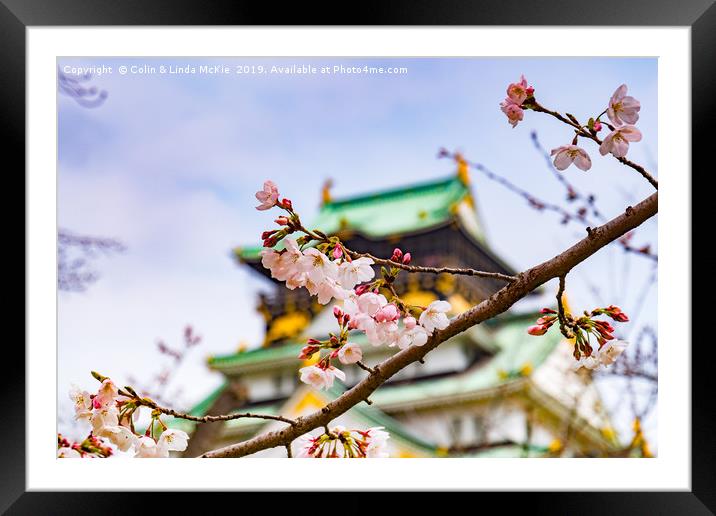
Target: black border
{"x":16,"y":15}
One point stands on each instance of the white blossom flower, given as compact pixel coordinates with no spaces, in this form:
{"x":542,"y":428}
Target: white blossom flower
{"x":377,"y":443}
{"x":350,"y":353}
{"x":328,"y":289}
{"x":415,"y":336}
{"x":104,"y":417}
{"x":435,"y":316}
{"x":317,"y":266}
{"x":68,"y":453}
{"x":588,"y":362}
{"x":148,"y":448}
{"x":314,"y":376}
{"x":173,"y":440}
{"x":565,"y":155}
{"x":82,"y":402}
{"x":333,"y":373}
{"x":357,"y":271}
{"x":119,"y":435}
{"x":106,"y":395}
{"x":609,"y":353}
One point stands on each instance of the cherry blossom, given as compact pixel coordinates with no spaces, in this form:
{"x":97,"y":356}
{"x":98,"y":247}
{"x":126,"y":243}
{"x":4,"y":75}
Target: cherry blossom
{"x":518,"y":92}
{"x":356,"y":271}
{"x":121,"y":436}
{"x":106,"y":395}
{"x":103,"y":417}
{"x":314,"y":376}
{"x":268,"y":197}
{"x":148,"y":448}
{"x":340,"y":442}
{"x":565,"y":155}
{"x":377,"y":443}
{"x":623,"y":109}
{"x":617,"y":142}
{"x":350,"y":353}
{"x":513,"y":111}
{"x":333,"y":373}
{"x":415,"y":336}
{"x":610,"y":351}
{"x":317,"y":266}
{"x":173,"y":440}
{"x":434,"y":317}
{"x":588,"y":362}
{"x":82,"y":402}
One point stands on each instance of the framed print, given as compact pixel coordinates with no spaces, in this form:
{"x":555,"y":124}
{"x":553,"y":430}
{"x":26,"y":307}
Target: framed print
{"x":430,"y":239}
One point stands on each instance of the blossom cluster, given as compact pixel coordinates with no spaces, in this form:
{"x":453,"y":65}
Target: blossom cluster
{"x":328,"y":271}
{"x":583,"y":329}
{"x":622,"y":111}
{"x":349,"y":444}
{"x":111,"y":415}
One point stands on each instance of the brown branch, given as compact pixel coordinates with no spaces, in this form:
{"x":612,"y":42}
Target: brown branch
{"x":499,"y":302}
{"x":563,"y":323}
{"x":432,"y":270}
{"x":146,"y":402}
{"x":321,"y":237}
{"x":581,"y":131}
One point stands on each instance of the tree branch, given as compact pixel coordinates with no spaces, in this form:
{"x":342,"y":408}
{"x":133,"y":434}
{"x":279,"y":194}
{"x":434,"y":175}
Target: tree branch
{"x":496,"y":304}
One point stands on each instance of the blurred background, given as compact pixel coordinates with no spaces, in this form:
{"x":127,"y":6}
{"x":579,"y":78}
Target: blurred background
{"x":156,"y":176}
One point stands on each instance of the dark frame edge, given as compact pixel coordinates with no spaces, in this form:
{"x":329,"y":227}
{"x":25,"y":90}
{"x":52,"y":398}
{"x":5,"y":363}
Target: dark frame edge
{"x":702,"y":498}
{"x":12,"y":380}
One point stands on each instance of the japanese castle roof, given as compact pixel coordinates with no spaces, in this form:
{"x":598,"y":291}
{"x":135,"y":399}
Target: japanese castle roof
{"x":505,"y":336}
{"x":398,"y":211}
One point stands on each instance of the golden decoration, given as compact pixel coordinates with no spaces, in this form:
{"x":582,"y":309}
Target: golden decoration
{"x":287,"y":326}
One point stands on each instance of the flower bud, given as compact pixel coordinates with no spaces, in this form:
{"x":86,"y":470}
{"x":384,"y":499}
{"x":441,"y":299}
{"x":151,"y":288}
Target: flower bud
{"x":406,"y":258}
{"x":397,"y":255}
{"x":537,"y":330}
{"x":337,"y":252}
{"x":282,"y":221}
{"x":287,"y":204}
{"x":307,"y":352}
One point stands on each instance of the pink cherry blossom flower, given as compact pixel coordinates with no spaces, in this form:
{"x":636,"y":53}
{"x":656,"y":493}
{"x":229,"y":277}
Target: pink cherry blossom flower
{"x":369,"y":303}
{"x":513,"y":111}
{"x":415,"y":336}
{"x":518,"y":92}
{"x":565,"y":155}
{"x":333,"y":373}
{"x":387,"y":313}
{"x":622,"y":108}
{"x":268,"y":197}
{"x":328,"y":289}
{"x":356,"y":271}
{"x":350,"y":353}
{"x":314,"y":376}
{"x":617,"y":142}
{"x":106,"y":395}
{"x":434,"y":317}
{"x":103,"y":417}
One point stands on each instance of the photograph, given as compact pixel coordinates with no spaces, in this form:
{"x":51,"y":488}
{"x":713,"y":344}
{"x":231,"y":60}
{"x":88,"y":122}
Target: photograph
{"x":358,"y":257}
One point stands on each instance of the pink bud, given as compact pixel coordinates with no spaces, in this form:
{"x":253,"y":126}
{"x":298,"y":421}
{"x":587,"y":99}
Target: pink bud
{"x":547,"y":311}
{"x":397,"y":255}
{"x":337,"y":312}
{"x":362,"y":289}
{"x":597,"y":126}
{"x":337,"y":252}
{"x":537,"y":330}
{"x":287,"y":204}
{"x":282,"y":221}
{"x":406,"y":258}
{"x":307,"y":352}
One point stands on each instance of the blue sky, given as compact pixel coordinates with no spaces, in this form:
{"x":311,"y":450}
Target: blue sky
{"x":169,"y":164}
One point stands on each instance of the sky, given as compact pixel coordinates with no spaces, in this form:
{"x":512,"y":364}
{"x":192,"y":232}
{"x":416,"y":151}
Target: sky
{"x":169,"y":163}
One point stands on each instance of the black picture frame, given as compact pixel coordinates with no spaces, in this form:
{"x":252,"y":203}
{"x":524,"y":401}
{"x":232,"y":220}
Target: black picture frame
{"x":17,"y":15}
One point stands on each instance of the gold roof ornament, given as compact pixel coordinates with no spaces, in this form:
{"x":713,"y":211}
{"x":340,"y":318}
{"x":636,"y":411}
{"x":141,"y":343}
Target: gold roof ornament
{"x":326,"y":191}
{"x":463,"y":169}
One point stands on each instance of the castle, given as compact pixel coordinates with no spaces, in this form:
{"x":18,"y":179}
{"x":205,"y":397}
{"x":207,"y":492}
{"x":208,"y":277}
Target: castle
{"x":492,"y":391}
